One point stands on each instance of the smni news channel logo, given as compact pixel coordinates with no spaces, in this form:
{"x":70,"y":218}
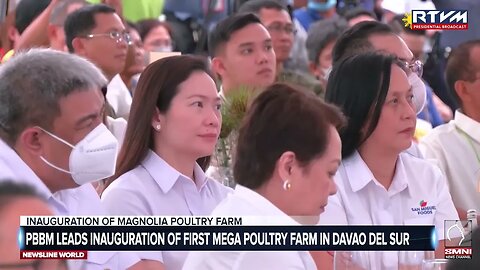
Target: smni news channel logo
{"x":458,"y":239}
{"x":436,"y":19}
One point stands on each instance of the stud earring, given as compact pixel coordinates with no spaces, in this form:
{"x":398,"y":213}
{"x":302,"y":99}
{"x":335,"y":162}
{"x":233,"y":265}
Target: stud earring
{"x":287,"y":185}
{"x":158,"y":127}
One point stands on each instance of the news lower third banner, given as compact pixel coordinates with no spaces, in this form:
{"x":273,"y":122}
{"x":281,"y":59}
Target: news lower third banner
{"x":120,"y":233}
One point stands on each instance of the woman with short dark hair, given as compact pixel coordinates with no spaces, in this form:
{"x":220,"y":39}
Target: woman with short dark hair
{"x":287,"y":153}
{"x":378,"y":182}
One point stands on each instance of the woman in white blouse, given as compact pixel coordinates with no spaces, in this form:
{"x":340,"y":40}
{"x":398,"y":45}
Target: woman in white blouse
{"x":172,"y":130}
{"x":378,"y":182}
{"x":287,"y":153}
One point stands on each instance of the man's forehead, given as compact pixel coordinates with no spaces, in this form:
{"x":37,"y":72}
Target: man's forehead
{"x":271,"y":14}
{"x":252,"y":33}
{"x":108,"y":21}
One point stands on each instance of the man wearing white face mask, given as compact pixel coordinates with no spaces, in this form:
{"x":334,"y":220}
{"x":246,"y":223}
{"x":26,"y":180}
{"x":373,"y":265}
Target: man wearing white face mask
{"x":52,"y":135}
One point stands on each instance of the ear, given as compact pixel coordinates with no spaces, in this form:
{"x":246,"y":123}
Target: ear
{"x":51,"y":32}
{"x":286,"y":166}
{"x":462,"y":90}
{"x":12,"y":33}
{"x":313,"y":69}
{"x":156,"y":118}
{"x":218,"y":67}
{"x":30,"y":140}
{"x":79,"y":46}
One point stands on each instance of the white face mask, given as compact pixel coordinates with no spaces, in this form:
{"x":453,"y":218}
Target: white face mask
{"x":93,"y":158}
{"x":326,"y":72}
{"x":419,"y":92}
{"x":162,"y":49}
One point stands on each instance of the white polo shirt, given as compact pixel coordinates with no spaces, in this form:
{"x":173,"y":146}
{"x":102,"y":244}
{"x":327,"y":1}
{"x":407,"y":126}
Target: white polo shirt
{"x":156,"y":188}
{"x":119,"y":97}
{"x":455,"y":147}
{"x":418,"y":195}
{"x":246,"y":202}
{"x":78,"y":201}
{"x":13,"y":168}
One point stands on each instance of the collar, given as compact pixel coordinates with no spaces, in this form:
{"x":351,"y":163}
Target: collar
{"x":166,"y":176}
{"x":359,"y":175}
{"x":357,"y":171}
{"x":261,"y":203}
{"x":21,"y":170}
{"x":467,"y":125}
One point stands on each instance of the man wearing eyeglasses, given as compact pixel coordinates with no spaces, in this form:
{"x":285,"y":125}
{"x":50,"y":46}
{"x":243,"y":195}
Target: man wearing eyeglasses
{"x":275,"y":17}
{"x":456,"y":145}
{"x":97,"y":33}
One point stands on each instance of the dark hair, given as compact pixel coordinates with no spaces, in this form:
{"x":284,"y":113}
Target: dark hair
{"x":225,"y":28}
{"x":10,"y":190}
{"x":355,"y":39}
{"x":460,"y":67}
{"x":254,"y":6}
{"x":282,"y":118}
{"x":131,"y":25}
{"x":321,"y":33}
{"x":147,"y":25}
{"x":398,"y":26}
{"x":82,"y":21}
{"x":156,"y":88}
{"x":361,"y":96}
{"x":26,"y":11}
{"x":355,"y":12}
{"x":32,"y":84}
{"x":60,"y":11}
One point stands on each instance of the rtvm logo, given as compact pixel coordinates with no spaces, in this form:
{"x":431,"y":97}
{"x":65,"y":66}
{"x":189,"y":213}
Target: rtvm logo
{"x":437,"y":19}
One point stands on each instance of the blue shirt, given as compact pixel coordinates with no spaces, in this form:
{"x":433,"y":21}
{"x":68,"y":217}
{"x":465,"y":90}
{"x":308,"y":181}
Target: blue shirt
{"x":430,"y":113}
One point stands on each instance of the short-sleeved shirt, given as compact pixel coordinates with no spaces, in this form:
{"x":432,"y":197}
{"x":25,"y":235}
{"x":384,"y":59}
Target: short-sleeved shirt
{"x":418,"y":195}
{"x":156,"y":188}
{"x":77,"y":201}
{"x":247,"y":202}
{"x":456,"y":148}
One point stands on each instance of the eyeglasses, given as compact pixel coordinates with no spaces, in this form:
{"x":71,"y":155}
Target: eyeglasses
{"x":115,"y":35}
{"x":416,"y":67}
{"x":278,"y":28}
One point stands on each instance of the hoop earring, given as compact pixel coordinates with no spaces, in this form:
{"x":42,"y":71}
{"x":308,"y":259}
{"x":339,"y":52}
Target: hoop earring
{"x":287,"y":185}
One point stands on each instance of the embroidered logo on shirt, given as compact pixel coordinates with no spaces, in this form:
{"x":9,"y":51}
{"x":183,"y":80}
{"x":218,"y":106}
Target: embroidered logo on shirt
{"x":424,"y":209}
{"x":423,"y":203}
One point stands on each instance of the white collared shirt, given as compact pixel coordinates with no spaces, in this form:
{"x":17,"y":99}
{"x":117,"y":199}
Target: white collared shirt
{"x":246,"y":202}
{"x":119,"y":97}
{"x":77,"y":201}
{"x":84,"y":200}
{"x":13,"y":168}
{"x":418,"y":195}
{"x":455,"y":147}
{"x":156,"y":188}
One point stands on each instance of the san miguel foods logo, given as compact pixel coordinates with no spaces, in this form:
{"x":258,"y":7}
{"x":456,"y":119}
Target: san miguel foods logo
{"x":436,"y":19}
{"x":424,"y":208}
